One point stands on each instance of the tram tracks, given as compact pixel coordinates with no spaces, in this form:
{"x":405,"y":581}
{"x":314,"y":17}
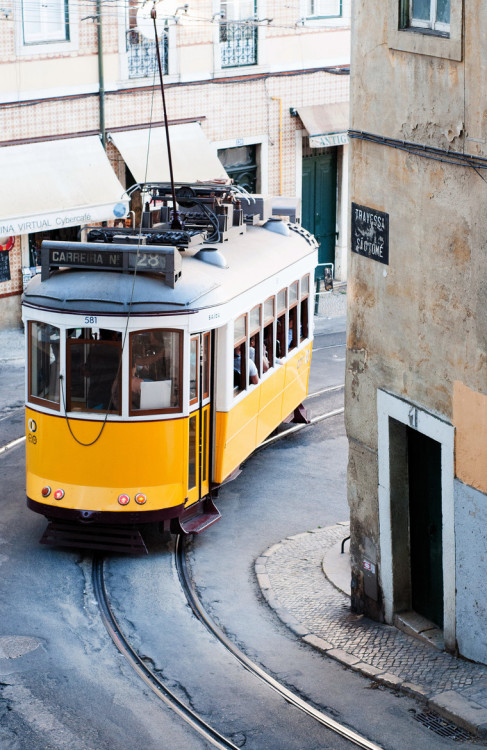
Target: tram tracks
{"x":12,"y":444}
{"x":314,"y":420}
{"x":167,"y":696}
{"x":11,"y":423}
{"x":149,"y":676}
{"x":257,"y":671}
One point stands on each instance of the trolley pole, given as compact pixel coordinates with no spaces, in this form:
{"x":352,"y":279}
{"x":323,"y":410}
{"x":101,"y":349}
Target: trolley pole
{"x":176,"y":222}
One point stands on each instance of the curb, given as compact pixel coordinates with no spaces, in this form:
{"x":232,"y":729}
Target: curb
{"x":451,"y":705}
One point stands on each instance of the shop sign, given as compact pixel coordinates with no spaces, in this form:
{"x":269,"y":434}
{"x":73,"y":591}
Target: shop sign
{"x":370,"y":233}
{"x":61,"y":219}
{"x":331,"y":139}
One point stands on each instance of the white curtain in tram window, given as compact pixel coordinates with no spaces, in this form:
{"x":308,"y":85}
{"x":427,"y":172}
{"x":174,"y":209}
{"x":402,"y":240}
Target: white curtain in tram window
{"x":44,"y":21}
{"x":324,"y":7}
{"x":238,"y":10}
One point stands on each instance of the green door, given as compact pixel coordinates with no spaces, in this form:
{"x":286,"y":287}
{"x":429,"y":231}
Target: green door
{"x":319,"y":200}
{"x":425,"y":526}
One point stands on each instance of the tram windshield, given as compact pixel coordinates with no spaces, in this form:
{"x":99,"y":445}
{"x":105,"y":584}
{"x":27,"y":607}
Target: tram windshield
{"x":44,"y":363}
{"x":155,"y":370}
{"x":94,"y":369}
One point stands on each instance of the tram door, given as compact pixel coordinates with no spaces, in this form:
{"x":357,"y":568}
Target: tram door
{"x":199,"y":418}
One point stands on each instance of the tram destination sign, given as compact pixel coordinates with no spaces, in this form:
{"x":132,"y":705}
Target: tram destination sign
{"x":370,"y":233}
{"x":110,"y":257}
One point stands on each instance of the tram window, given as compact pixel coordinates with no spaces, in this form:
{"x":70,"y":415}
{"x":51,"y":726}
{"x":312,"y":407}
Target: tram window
{"x":293,"y":294}
{"x":240,"y":354}
{"x":281,"y":349}
{"x":292,"y":334}
{"x":281,"y":336}
{"x":192,"y":453}
{"x":269,"y":330}
{"x":206,"y":365}
{"x":156,"y":371}
{"x":292,"y":338}
{"x":255,"y":336}
{"x":304,"y":307}
{"x":44,"y":351}
{"x":193,"y":370}
{"x":94,"y":370}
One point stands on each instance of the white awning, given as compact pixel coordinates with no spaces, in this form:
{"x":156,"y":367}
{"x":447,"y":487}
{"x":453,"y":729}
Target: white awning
{"x":145,"y":153}
{"x":327,"y":124}
{"x":56,"y":184}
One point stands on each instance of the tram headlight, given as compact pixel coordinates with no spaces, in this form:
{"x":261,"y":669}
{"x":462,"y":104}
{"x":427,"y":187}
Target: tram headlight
{"x":123,"y":499}
{"x":140,"y":498}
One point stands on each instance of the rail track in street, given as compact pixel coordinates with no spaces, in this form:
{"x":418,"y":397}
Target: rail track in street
{"x":334,"y":726}
{"x":151,"y":679}
{"x":149,"y":676}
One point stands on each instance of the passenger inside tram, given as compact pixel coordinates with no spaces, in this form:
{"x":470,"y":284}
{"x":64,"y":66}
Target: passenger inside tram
{"x":239,"y":369}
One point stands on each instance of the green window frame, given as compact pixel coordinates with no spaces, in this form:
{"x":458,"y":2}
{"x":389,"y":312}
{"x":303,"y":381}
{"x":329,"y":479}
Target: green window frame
{"x":324,"y":8}
{"x":45,"y":21}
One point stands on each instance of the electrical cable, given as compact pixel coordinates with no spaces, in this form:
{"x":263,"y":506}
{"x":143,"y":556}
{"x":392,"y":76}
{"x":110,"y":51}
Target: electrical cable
{"x":455,"y":158}
{"x":130,"y":304}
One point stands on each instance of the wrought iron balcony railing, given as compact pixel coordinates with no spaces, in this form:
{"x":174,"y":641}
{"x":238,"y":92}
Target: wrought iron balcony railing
{"x":142,"y":57}
{"x":238,"y":44}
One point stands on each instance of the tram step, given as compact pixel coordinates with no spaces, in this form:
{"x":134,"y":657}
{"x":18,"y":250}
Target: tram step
{"x":198,"y":517}
{"x":106,"y":538}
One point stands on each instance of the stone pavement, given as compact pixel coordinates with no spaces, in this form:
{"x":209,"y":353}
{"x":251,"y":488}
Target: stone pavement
{"x":306,"y":580}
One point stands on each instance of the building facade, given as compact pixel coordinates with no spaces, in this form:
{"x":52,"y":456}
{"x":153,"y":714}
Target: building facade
{"x":416,"y":387}
{"x":79,"y":90}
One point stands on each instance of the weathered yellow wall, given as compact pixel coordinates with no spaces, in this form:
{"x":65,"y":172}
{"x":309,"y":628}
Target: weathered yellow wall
{"x":470,"y":420}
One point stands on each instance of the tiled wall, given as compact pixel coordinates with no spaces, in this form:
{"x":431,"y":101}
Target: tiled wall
{"x":231,"y":109}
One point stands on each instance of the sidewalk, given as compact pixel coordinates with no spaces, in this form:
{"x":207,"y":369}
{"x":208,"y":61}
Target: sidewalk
{"x":12,"y":376}
{"x":306,"y":580}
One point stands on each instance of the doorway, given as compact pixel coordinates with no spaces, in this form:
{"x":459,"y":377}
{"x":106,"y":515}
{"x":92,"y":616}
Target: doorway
{"x":416,"y":513}
{"x":319,"y":201}
{"x":425,"y":526}
{"x":199,"y":418}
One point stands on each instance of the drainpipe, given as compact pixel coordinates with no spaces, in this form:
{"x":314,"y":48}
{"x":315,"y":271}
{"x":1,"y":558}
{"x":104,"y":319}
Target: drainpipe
{"x":101,"y":78}
{"x":278,"y":99}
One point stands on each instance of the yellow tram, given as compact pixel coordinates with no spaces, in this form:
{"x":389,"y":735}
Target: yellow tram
{"x":159,"y":359}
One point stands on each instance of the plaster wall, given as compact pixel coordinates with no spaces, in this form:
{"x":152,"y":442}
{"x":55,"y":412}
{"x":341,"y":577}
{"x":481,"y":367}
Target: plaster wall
{"x":51,"y":77}
{"x":470,"y":420}
{"x":420,"y":96}
{"x":471,"y":560}
{"x":194,"y":62}
{"x":417,"y":326}
{"x":309,"y":50}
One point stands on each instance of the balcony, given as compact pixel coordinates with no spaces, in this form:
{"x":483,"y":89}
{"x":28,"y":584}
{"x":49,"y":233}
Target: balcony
{"x":142,"y":57}
{"x":238,"y":44}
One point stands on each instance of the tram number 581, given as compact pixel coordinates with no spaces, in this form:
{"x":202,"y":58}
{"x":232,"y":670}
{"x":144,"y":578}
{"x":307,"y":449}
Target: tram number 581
{"x":91,"y":320}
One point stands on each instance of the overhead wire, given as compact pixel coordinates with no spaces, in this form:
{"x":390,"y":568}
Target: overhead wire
{"x":20,"y":6}
{"x":129,"y":313}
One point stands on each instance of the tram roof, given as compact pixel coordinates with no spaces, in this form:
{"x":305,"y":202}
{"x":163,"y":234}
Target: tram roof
{"x":251,"y":258}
